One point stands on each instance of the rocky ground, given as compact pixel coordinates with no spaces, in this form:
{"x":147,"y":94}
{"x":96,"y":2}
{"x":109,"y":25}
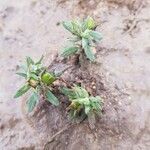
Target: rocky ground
{"x":122,"y":73}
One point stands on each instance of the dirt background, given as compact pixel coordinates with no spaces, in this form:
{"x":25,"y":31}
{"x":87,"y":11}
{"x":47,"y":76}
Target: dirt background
{"x":122,"y":73}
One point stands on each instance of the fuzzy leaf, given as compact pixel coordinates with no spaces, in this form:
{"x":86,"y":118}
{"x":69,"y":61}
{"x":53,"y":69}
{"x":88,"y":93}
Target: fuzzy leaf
{"x":35,"y":77}
{"x":77,"y":28}
{"x":87,"y":49}
{"x":80,"y":92}
{"x":87,"y":109}
{"x":90,"y":23}
{"x":29,"y":61}
{"x":68,"y":51}
{"x":21,"y":74}
{"x":74,"y":39}
{"x":96,"y":36}
{"x":22,"y":91}
{"x":32,"y":101}
{"x":82,"y":101}
{"x":68,"y":25}
{"x":39,"y":62}
{"x":96,"y":103}
{"x":23,"y":68}
{"x":68,"y":92}
{"x":86,"y":34}
{"x":75,"y":93}
{"x":51,"y":98}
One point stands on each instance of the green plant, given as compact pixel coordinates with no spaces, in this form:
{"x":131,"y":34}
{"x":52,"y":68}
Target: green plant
{"x":84,"y":38}
{"x":39,"y":81}
{"x":82,"y":104}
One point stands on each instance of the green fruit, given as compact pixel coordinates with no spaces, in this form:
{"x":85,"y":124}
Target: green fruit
{"x":48,"y":78}
{"x":90,"y":23}
{"x":33,"y":82}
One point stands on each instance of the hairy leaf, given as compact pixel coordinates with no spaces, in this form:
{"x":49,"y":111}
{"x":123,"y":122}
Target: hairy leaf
{"x":51,"y":98}
{"x":87,"y":49}
{"x":32,"y":101}
{"x":77,"y":28}
{"x":68,"y":92}
{"x":87,"y":109}
{"x":80,"y":92}
{"x":68,"y":25}
{"x":29,"y":61}
{"x":86,"y":34}
{"x":75,"y":93}
{"x":40,"y":60}
{"x":83,"y":104}
{"x":34,"y":76}
{"x":96,"y":36}
{"x":22,"y":91}
{"x":21,"y":74}
{"x":23,"y":68}
{"x":82,"y":101}
{"x":90,"y":23}
{"x":68,"y":51}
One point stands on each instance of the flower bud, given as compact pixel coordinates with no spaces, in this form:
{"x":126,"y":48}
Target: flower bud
{"x":47,"y":78}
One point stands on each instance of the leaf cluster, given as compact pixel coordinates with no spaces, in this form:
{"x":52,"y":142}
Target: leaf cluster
{"x":84,"y":38}
{"x":82,"y":104}
{"x":38,"y":81}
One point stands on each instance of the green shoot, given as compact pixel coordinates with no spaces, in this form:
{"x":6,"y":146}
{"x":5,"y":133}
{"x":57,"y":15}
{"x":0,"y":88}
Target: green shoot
{"x":84,"y":38}
{"x":39,"y":81}
{"x":82,"y":105}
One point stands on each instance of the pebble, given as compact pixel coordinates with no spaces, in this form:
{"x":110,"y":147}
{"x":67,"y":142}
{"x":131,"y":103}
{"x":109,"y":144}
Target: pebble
{"x":94,"y":87}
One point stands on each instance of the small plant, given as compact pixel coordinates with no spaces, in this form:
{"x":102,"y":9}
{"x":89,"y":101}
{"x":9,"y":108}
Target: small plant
{"x":82,"y":104}
{"x":39,"y":81}
{"x":84,"y":38}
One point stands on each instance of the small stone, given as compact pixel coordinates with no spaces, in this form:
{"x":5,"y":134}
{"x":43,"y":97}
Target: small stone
{"x":119,"y":103}
{"x":94,"y":87}
{"x":93,"y":83}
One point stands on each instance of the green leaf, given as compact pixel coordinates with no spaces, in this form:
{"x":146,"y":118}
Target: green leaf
{"x":68,"y":51}
{"x":86,"y":34}
{"x":82,"y":101}
{"x":29,"y":61}
{"x":90,"y":23}
{"x":32,"y":101}
{"x":23,"y":68}
{"x":39,"y":62}
{"x":77,"y":29}
{"x":22,"y":91}
{"x":34,"y":76}
{"x":51,"y":98}
{"x":21,"y":74}
{"x":74,"y":39}
{"x":87,"y":109}
{"x":96,"y":35}
{"x":68,"y":92}
{"x":68,"y":25}
{"x":96,"y":103}
{"x":80,"y":92}
{"x":87,"y":49}
{"x":75,"y":93}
